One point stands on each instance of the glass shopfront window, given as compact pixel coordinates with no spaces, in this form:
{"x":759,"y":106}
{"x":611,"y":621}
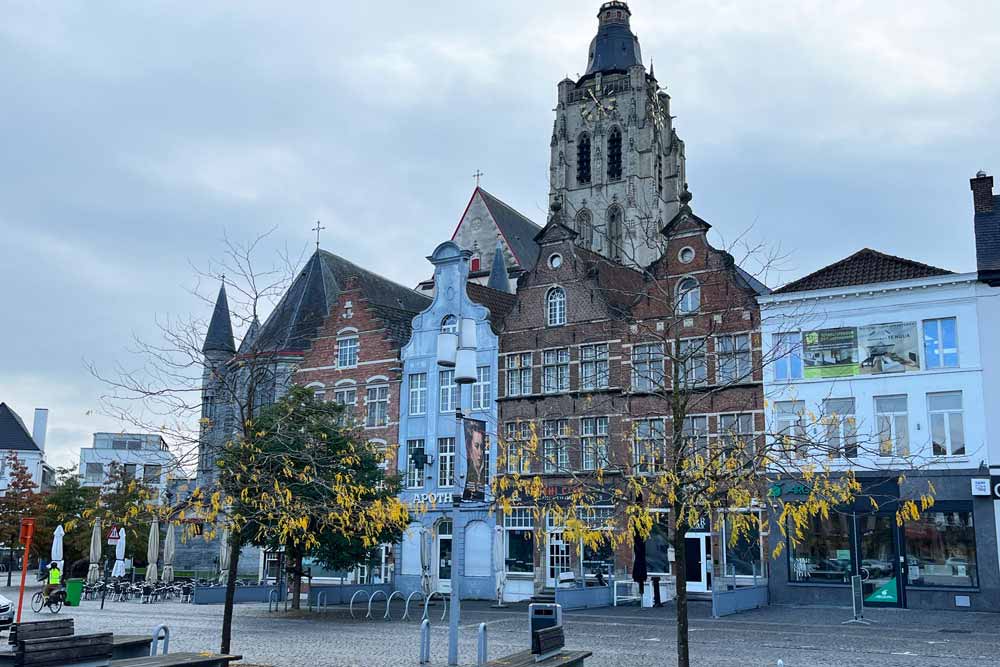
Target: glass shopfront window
{"x":823,"y":555}
{"x":519,"y":529}
{"x":941,"y":550}
{"x":743,"y":553}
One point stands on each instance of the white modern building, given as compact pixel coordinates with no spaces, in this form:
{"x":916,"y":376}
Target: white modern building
{"x":28,"y":446}
{"x":144,"y":456}
{"x":877,"y":362}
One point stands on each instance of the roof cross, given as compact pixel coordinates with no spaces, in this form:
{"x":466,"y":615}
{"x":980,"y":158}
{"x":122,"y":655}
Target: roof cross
{"x":477,"y":176}
{"x":318,"y":228}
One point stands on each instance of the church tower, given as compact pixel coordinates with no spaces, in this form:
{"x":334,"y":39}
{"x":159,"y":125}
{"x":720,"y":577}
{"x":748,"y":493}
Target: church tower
{"x":617,"y":164}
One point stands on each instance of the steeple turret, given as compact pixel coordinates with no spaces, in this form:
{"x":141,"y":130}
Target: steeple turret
{"x":498,"y":271}
{"x":614,"y":47}
{"x":220,"y":330}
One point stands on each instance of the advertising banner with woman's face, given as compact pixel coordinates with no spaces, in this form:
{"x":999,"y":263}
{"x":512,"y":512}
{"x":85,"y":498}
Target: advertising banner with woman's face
{"x":475,"y":452}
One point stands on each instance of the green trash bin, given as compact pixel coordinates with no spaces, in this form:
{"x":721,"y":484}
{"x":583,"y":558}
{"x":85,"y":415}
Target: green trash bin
{"x":74,"y":591}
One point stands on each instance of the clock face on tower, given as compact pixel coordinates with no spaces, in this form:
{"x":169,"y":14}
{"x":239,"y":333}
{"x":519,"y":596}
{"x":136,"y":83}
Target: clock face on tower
{"x":594,"y":110}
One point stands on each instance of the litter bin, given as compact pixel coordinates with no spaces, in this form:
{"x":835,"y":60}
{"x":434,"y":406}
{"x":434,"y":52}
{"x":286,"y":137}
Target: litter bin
{"x":74,"y":590}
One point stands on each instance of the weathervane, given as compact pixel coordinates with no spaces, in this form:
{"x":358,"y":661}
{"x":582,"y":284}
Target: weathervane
{"x":318,"y":228}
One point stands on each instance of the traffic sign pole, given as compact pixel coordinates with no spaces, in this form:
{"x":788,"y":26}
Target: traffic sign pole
{"x":27,"y":532}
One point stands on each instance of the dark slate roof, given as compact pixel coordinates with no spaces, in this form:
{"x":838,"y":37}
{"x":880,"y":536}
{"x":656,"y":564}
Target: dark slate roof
{"x":621,"y":286}
{"x":13,"y":434}
{"x":752,"y":283}
{"x":862,"y":268}
{"x":987,"y":225}
{"x":614,"y":47}
{"x":517,"y":230}
{"x":219,"y":337}
{"x":499,"y":303}
{"x":300,"y":313}
{"x":398,"y":322}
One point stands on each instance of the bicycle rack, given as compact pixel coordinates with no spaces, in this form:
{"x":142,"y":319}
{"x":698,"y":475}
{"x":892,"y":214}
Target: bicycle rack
{"x":388,"y":602}
{"x":160,"y":632}
{"x":272,"y":595}
{"x":427,"y":601}
{"x":369,"y":614}
{"x":321,"y":605}
{"x":406,"y":610}
{"x":350,"y":607}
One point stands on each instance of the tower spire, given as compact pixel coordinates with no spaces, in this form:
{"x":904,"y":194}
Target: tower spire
{"x":219,"y":337}
{"x":498,"y":271}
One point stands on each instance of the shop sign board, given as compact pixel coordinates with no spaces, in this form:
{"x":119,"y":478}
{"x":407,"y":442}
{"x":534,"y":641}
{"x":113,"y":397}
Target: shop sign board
{"x":981,"y":487}
{"x":884,"y":593}
{"x":434,"y":498}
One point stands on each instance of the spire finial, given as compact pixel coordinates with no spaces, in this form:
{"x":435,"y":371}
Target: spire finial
{"x":479,"y":174}
{"x":318,"y":228}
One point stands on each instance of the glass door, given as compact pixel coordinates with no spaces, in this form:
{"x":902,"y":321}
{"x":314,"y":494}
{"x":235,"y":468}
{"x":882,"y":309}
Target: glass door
{"x":697,"y":552}
{"x":444,"y":557}
{"x":558,"y":558}
{"x":878,"y":560}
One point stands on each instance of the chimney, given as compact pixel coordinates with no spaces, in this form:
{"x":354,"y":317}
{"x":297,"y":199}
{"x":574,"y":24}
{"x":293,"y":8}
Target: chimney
{"x":40,"y":427}
{"x":982,"y":192}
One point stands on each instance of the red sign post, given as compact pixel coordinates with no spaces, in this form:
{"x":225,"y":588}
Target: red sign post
{"x":27,"y":532}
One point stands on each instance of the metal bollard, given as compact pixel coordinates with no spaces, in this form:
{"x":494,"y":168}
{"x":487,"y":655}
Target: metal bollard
{"x":425,"y":641}
{"x":160,"y":632}
{"x":481,"y":658}
{"x":272,"y":595}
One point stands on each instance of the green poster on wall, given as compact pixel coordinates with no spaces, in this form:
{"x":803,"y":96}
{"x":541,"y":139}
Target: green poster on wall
{"x":884,"y":593}
{"x":830,"y":353}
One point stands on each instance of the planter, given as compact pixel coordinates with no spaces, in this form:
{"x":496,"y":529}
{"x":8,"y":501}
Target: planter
{"x":217,"y":594}
{"x":590,"y":597}
{"x":342,"y":594}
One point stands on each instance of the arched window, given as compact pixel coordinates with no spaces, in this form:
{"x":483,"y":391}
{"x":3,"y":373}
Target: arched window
{"x":585,"y":229}
{"x":583,"y":158}
{"x":615,"y":154}
{"x":555,"y":306}
{"x":449,"y":324}
{"x":688,"y":296}
{"x":615,"y":232}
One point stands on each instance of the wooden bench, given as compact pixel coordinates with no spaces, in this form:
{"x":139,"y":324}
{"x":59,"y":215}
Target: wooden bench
{"x":75,"y":651}
{"x":179,"y":660}
{"x":122,"y":647}
{"x":547,"y":650}
{"x":62,"y":627}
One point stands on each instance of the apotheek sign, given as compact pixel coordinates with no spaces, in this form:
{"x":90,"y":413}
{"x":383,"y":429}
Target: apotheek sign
{"x":441,"y":498}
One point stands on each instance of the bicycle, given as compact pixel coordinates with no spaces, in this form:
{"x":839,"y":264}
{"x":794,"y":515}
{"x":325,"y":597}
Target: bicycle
{"x":54,"y":601}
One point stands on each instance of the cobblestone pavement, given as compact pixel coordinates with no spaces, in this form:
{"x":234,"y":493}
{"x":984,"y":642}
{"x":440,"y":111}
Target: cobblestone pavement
{"x":623,"y":637}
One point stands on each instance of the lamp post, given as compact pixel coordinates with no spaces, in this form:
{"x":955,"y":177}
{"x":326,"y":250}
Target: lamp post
{"x":458,"y":352}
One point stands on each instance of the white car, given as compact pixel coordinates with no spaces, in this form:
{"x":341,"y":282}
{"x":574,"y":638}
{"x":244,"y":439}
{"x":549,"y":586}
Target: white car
{"x":6,"y":613}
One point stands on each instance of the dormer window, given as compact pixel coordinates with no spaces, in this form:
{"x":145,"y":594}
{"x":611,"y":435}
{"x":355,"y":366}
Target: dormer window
{"x":449,"y":324}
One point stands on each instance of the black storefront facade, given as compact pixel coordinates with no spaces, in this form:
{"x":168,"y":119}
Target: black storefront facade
{"x":947,"y":559}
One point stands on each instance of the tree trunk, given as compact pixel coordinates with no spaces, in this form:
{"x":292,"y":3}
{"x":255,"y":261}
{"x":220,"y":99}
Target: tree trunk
{"x":680,"y":576}
{"x":296,"y":578}
{"x":235,"y":543}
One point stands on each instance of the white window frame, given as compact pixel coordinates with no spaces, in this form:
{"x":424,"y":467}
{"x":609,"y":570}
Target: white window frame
{"x":347,"y":353}
{"x":648,"y":373}
{"x":516,"y":438}
{"x":519,"y":374}
{"x":898,"y":422}
{"x":555,"y":452}
{"x":841,"y":428}
{"x":446,"y":462}
{"x":789,"y":421}
{"x":948,"y":416}
{"x":786,"y":350}
{"x":649,"y":441}
{"x":414,"y":478}
{"x":594,"y":366}
{"x":418,"y":394}
{"x":728,"y":436}
{"x":555,"y":307}
{"x":688,"y":301}
{"x":740,"y":359}
{"x":692,"y":355}
{"x":447,"y":391}
{"x":593,"y":443}
{"x":555,"y":362}
{"x":381,"y":404}
{"x":482,"y":389}
{"x":941,"y":351}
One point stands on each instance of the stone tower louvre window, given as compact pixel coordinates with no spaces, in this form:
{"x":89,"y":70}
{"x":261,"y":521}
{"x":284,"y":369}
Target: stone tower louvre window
{"x":585,"y":228}
{"x":615,"y":154}
{"x":583,"y":159}
{"x":615,"y":232}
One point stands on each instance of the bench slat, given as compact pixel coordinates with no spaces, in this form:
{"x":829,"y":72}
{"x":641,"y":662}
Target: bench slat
{"x":179,"y":659}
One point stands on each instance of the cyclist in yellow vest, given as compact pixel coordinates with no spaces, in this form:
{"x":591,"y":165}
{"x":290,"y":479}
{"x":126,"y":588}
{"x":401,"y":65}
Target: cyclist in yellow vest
{"x":54,"y":580}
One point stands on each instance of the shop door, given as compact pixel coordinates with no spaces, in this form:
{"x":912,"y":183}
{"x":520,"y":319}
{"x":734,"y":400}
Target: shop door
{"x":697,"y":554}
{"x":443,"y":557}
{"x":557,"y":558}
{"x":878,"y":560}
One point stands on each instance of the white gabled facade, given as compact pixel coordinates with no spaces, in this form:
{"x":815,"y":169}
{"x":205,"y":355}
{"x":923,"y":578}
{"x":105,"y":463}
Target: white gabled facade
{"x":907,"y":356}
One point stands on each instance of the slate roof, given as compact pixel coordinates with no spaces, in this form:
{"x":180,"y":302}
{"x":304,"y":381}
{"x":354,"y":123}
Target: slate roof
{"x":517,"y":230}
{"x":300,"y":313}
{"x":862,"y":268}
{"x":614,"y":47}
{"x":621,"y":286}
{"x":219,"y":337}
{"x":987,"y":225}
{"x":499,"y":303}
{"x":499,"y":279}
{"x":13,"y":434}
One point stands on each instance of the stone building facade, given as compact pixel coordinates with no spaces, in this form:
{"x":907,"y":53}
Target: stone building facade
{"x":616,"y":162}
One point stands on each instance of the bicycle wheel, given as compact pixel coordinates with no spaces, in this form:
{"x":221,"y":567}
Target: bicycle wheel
{"x":36,"y":602}
{"x":55,"y":604}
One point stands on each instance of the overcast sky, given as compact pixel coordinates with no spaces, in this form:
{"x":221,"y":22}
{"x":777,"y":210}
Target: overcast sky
{"x":134,"y":135}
